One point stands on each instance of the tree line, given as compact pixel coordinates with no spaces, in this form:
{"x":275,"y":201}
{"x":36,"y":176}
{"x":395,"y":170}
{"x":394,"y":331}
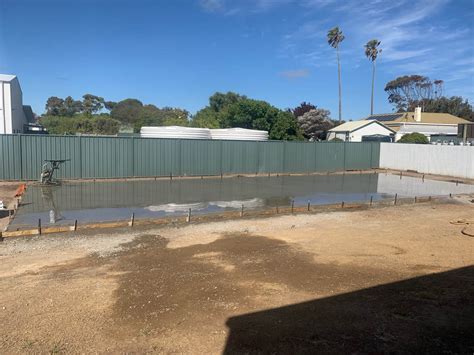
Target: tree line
{"x":94,"y":115}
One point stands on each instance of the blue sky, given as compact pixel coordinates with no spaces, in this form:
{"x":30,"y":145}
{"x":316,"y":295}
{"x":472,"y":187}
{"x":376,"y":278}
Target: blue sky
{"x":178,"y":53}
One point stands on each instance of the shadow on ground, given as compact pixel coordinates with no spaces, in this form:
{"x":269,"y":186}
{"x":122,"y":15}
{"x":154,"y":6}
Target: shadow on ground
{"x":428,"y":314}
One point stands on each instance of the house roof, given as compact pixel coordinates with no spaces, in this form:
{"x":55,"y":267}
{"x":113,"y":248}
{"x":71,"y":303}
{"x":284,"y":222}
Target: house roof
{"x":7,"y":77}
{"x":355,"y":125}
{"x":426,"y":117}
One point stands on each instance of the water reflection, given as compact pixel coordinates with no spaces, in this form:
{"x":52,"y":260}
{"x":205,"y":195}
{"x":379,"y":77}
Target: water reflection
{"x":104,"y":201}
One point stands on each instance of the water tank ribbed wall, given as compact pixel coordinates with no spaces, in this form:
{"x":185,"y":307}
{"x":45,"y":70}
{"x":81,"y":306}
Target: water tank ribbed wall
{"x":239,"y":134}
{"x":236,"y":134}
{"x":175,"y":132}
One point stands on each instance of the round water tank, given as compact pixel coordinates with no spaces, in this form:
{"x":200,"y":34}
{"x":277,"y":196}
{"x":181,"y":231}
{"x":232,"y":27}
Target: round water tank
{"x":175,"y":132}
{"x":240,"y":134}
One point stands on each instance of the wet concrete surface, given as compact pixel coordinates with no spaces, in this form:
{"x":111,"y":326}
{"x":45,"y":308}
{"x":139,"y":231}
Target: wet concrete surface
{"x":117,"y":200}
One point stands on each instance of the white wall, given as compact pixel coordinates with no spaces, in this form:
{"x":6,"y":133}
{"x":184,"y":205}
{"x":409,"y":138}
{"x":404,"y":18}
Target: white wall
{"x":18,"y":115}
{"x":12,"y":116}
{"x":456,"y":161}
{"x":356,"y":136}
{"x":2,"y":108}
{"x":368,"y":130}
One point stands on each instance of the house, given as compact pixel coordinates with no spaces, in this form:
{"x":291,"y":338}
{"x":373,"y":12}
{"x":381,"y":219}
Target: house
{"x":356,"y":131}
{"x":427,"y":123}
{"x":13,"y":115}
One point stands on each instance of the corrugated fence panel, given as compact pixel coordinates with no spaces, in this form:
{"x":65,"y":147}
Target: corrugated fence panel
{"x":299,"y":158}
{"x":329,"y":156}
{"x":375,"y":156}
{"x":106,"y":157}
{"x":271,"y":157}
{"x":21,"y":156}
{"x":156,"y":157}
{"x":200,"y":157}
{"x":239,"y":158}
{"x":35,"y":149}
{"x":10,"y":157}
{"x":358,"y":156}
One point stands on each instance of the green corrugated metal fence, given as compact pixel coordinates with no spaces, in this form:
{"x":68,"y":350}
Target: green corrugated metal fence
{"x":21,"y":156}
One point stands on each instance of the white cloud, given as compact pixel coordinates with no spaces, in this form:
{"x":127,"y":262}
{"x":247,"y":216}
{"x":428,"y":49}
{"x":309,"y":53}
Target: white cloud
{"x":295,"y":74}
{"x":212,"y":5}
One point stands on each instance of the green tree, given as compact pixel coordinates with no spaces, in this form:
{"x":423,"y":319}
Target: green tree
{"x":454,"y":105}
{"x":206,"y":118}
{"x":285,"y":127}
{"x":416,"y":138}
{"x":109,"y":105}
{"x":92,"y":104}
{"x":409,"y":90}
{"x":71,"y":106}
{"x":100,"y":124}
{"x":220,"y":101}
{"x":105,"y":125}
{"x":54,"y":106}
{"x":251,"y":114}
{"x":127,"y":111}
{"x":335,"y":37}
{"x":371,"y":52}
{"x":175,"y":116}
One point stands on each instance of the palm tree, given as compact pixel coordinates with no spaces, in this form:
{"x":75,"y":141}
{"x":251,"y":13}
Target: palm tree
{"x":335,"y":37}
{"x":371,"y":52}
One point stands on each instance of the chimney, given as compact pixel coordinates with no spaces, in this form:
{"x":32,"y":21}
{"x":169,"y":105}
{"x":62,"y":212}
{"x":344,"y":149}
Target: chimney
{"x":417,"y":114}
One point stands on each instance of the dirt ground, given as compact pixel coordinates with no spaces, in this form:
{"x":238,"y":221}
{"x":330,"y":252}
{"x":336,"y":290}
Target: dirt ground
{"x":393,"y":279}
{"x":7,"y":195}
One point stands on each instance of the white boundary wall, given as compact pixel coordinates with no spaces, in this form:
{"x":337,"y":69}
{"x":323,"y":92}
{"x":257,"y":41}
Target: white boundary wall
{"x":456,"y":161}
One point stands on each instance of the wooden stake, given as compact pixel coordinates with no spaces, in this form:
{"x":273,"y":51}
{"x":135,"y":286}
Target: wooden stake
{"x":132,"y":219}
{"x":75,"y":225}
{"x":371,"y":200}
{"x":309,"y":205}
{"x":342,"y":204}
{"x":39,"y":226}
{"x":396,"y":197}
{"x":242,"y":211}
{"x":292,"y":206}
{"x":188,"y":219}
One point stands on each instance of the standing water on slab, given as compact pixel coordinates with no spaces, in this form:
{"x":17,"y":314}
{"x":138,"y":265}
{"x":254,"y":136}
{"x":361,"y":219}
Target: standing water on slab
{"x":117,"y":200}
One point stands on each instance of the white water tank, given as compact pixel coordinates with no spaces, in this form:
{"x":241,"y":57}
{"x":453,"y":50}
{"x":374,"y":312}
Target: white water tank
{"x":239,"y":134}
{"x":175,"y":132}
{"x":178,"y":132}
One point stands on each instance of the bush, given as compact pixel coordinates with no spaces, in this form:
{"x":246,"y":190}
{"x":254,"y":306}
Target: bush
{"x":336,"y":140}
{"x":415,"y":138}
{"x":96,"y":124}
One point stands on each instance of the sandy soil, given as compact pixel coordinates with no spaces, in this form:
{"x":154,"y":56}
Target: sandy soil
{"x":395,"y":279}
{"x":7,"y":195}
